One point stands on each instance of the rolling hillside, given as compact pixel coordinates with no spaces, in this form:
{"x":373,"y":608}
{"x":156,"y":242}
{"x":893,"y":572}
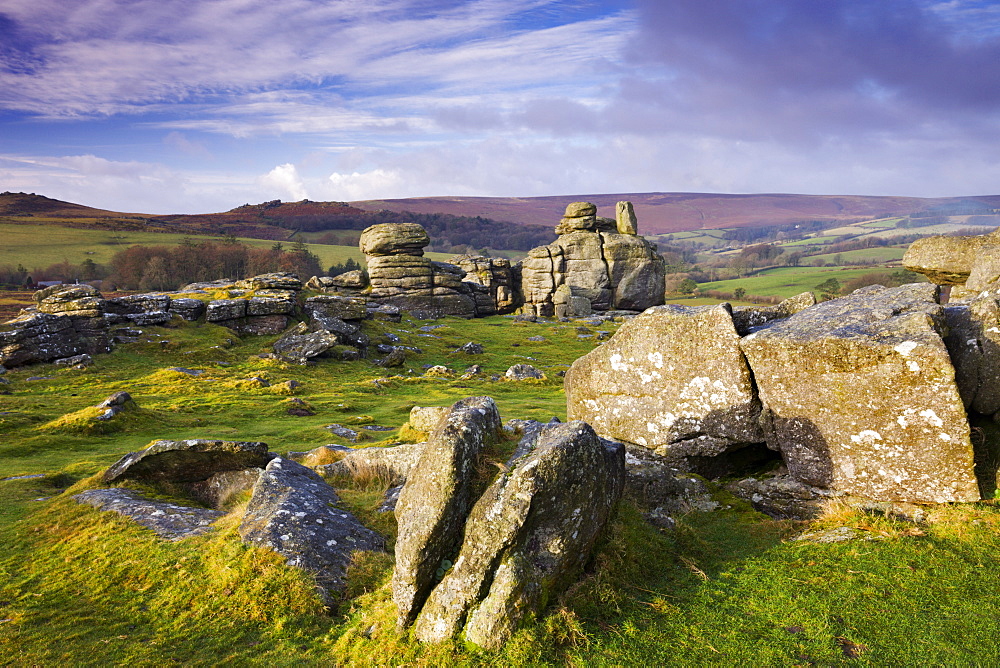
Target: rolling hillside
{"x":661,"y":213}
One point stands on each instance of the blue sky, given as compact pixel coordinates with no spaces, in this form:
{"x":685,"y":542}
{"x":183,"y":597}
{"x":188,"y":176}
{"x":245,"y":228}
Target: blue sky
{"x":178,"y":106}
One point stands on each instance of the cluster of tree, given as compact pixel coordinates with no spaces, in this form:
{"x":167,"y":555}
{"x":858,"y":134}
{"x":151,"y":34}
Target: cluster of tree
{"x":167,"y":268}
{"x":774,"y":232}
{"x":13,"y":278}
{"x":831,"y":287}
{"x":344,"y":267}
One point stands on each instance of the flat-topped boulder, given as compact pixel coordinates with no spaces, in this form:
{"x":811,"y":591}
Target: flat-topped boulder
{"x":191,"y":460}
{"x":394,"y":239}
{"x":948,"y":260}
{"x":859,"y":396}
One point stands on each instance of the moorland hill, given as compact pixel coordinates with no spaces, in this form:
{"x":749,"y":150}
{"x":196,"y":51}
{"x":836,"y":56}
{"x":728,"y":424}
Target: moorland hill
{"x":663,"y":212}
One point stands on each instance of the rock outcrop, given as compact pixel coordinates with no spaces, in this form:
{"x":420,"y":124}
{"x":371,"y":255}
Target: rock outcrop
{"x":599,"y":260}
{"x":674,"y":380}
{"x":494,"y":283}
{"x":295,"y":513}
{"x":400,"y":275}
{"x":292,"y":510}
{"x":436,"y":499}
{"x":68,"y":320}
{"x":528,"y":536}
{"x":858,"y":394}
{"x":187,"y":461}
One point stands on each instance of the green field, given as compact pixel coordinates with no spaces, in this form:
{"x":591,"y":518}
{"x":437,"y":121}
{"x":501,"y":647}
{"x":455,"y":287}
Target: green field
{"x":39,"y":246}
{"x":880,"y":255}
{"x":787,"y":281}
{"x":729,"y":587}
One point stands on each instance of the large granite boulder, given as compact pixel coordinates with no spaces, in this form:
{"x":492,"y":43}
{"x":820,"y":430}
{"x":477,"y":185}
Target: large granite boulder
{"x":192,"y":460}
{"x":610,"y":269}
{"x":859,"y":396}
{"x":672,"y":379}
{"x":625,"y":220}
{"x":436,"y":499}
{"x":528,"y":536}
{"x":947,"y":260}
{"x":337,"y":306}
{"x":296,"y":513}
{"x":394,"y":239}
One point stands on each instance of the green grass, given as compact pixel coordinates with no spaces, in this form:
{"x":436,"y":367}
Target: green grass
{"x":787,"y":281}
{"x":74,"y":245}
{"x":881,"y":255}
{"x":731,"y":587}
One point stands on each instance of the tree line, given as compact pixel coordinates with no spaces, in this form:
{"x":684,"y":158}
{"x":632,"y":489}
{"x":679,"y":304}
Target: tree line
{"x":169,"y":267}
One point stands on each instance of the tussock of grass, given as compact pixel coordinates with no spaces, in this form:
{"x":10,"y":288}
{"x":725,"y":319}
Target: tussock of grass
{"x":85,"y":422}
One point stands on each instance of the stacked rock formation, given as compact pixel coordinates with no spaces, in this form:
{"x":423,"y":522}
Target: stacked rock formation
{"x":401,"y":276}
{"x":597,"y":263}
{"x":75,"y":319}
{"x":494,"y":283}
{"x":858,"y":395}
{"x":69,"y":320}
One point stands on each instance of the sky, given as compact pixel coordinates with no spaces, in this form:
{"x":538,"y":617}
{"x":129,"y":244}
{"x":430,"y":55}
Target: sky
{"x":189,"y":106}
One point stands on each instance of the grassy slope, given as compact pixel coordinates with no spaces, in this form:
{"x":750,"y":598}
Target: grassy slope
{"x":788,"y":281}
{"x":21,"y":244}
{"x":82,"y":587}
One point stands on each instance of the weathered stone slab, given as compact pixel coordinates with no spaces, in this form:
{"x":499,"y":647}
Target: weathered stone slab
{"x":946,"y":260}
{"x":187,"y":308}
{"x":528,"y":536}
{"x":187,"y":461}
{"x":225,"y":309}
{"x":281,"y":280}
{"x":860,"y":397}
{"x":335,"y":306}
{"x":672,"y":374}
{"x":748,"y":318}
{"x":295,"y":512}
{"x":166,"y":520}
{"x":436,"y":499}
{"x":300,"y":348}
